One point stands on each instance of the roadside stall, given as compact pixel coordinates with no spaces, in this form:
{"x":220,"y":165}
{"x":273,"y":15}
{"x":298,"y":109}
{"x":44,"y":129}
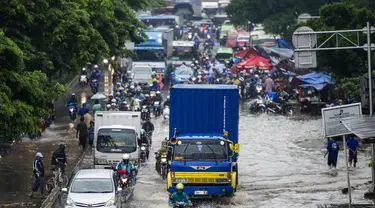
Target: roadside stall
{"x":255,"y":62}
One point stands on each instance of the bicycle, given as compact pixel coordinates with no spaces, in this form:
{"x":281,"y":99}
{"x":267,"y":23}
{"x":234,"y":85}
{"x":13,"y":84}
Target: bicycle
{"x":59,"y":179}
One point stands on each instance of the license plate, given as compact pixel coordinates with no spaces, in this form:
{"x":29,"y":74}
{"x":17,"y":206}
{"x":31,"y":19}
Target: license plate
{"x":200,"y":193}
{"x":184,"y":82}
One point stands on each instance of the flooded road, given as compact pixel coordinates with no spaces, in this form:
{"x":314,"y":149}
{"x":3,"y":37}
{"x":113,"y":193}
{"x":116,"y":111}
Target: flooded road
{"x":281,"y":165}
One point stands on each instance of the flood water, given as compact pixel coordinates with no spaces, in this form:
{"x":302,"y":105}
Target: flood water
{"x":281,"y":164}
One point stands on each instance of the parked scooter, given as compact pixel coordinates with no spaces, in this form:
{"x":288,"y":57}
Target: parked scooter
{"x":257,"y":105}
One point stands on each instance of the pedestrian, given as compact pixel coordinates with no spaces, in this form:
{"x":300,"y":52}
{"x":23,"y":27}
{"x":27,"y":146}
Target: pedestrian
{"x":82,"y":133}
{"x":87,"y":118}
{"x":38,"y":169}
{"x":332,"y":151}
{"x":96,"y":107}
{"x":91,"y":135}
{"x":352,"y":144}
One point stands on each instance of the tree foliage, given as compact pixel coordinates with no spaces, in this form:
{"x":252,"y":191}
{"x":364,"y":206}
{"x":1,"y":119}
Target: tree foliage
{"x":279,"y":17}
{"x":41,"y":41}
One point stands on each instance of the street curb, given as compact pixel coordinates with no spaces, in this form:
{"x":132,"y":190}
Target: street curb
{"x":54,"y":195}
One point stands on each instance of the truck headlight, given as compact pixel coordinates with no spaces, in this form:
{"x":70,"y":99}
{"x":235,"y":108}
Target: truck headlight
{"x":100,"y":161}
{"x":143,"y":148}
{"x":222,"y":180}
{"x":179,"y":180}
{"x":163,"y":160}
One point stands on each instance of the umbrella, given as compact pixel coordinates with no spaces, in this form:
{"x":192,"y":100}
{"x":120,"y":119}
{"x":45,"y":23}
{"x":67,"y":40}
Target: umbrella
{"x":255,"y":61}
{"x":98,"y":96}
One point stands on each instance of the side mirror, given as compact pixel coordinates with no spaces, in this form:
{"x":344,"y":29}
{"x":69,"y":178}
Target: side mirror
{"x":166,"y":138}
{"x":64,"y":190}
{"x":235,"y":148}
{"x":119,"y":189}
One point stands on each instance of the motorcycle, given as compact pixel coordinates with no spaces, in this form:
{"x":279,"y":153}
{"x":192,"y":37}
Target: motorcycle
{"x":72,"y":111}
{"x":279,"y":108}
{"x":190,"y":36}
{"x":126,"y":185}
{"x":83,"y":81}
{"x":143,"y":153}
{"x":166,"y":112}
{"x":145,"y":113}
{"x":137,"y":106}
{"x":156,"y":109}
{"x":180,"y":205}
{"x":257,"y":105}
{"x":94,"y":86}
{"x":163,"y":166}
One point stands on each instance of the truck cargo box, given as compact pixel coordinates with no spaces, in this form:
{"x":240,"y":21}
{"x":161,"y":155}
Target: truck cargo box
{"x":204,"y":110}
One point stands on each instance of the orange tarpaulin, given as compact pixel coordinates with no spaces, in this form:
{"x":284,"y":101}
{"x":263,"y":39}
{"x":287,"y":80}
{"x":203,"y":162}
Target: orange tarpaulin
{"x":255,"y":62}
{"x":246,"y":53}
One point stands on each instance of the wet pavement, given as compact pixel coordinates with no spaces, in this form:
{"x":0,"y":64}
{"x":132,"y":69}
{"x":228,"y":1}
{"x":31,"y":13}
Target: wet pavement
{"x":16,"y":177}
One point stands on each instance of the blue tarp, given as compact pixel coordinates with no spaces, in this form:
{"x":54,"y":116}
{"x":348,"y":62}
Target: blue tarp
{"x":316,"y":78}
{"x":281,"y":43}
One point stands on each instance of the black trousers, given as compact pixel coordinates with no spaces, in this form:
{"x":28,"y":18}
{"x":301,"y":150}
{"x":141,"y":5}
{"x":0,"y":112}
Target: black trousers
{"x":39,"y":183}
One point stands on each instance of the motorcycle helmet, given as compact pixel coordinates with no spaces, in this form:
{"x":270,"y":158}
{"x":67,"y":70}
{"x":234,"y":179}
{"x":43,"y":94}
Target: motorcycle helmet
{"x":113,"y":101}
{"x":111,"y":96}
{"x":117,"y":94}
{"x":121,"y":89}
{"x":241,"y":79}
{"x":158,"y":92}
{"x":129,"y":95}
{"x":62,"y":147}
{"x":143,"y":132}
{"x":83,"y":69}
{"x":73,"y":94}
{"x":192,"y":65}
{"x":108,"y":106}
{"x":132,"y":87}
{"x":113,"y":105}
{"x":147,"y":95}
{"x":168,"y":97}
{"x":125,"y":158}
{"x":180,"y":188}
{"x":96,"y":66}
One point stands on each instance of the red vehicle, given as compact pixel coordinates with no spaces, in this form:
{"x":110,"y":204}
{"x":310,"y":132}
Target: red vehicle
{"x":243,"y":39}
{"x":231,"y":39}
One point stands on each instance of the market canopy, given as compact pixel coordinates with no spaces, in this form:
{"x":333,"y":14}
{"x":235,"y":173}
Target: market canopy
{"x":281,"y":43}
{"x":362,"y":126}
{"x":279,"y":53}
{"x":255,"y":62}
{"x":314,"y":78}
{"x":246,"y":53}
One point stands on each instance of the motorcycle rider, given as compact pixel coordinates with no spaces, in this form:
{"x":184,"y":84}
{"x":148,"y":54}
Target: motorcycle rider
{"x":124,"y":106}
{"x":83,"y":72}
{"x":95,"y":73}
{"x":139,"y":95}
{"x":58,"y":159}
{"x":166,"y":103}
{"x":158,"y":97}
{"x":130,"y":100}
{"x":147,"y":101}
{"x":143,"y":139}
{"x":73,"y":99}
{"x":114,"y":107}
{"x":127,"y":165}
{"x":197,"y":41}
{"x":210,"y":41}
{"x":148,"y":126}
{"x":94,"y":85}
{"x":163,"y":150}
{"x":179,"y":196}
{"x":110,"y":97}
{"x":153,"y":80}
{"x":83,"y":109}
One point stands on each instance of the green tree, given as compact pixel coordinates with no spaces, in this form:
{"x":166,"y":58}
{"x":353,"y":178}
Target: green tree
{"x":342,"y":16}
{"x":23,"y":94}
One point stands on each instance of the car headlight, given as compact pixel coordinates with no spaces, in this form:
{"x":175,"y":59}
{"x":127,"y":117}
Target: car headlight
{"x":143,"y":148}
{"x":179,"y":79}
{"x":163,"y":160}
{"x":101,"y":161}
{"x":111,"y":202}
{"x":69,"y":202}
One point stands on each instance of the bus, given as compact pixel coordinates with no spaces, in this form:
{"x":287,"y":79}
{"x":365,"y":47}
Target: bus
{"x":158,"y":21}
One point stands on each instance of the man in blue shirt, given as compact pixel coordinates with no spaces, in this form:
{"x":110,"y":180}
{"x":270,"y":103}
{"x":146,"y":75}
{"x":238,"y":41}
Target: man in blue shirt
{"x":352,"y":144}
{"x":179,"y":197}
{"x":332,"y":151}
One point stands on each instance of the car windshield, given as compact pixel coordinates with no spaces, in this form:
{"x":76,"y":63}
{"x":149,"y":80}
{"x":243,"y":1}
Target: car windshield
{"x":201,"y":150}
{"x":147,"y":55}
{"x":142,"y":70}
{"x":116,"y":140}
{"x":92,"y":185}
{"x":182,"y":53}
{"x":223,"y":56}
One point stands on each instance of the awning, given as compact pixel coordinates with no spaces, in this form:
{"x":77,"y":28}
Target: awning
{"x":362,"y":126}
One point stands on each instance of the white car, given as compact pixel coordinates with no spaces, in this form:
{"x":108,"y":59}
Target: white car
{"x":93,"y":188}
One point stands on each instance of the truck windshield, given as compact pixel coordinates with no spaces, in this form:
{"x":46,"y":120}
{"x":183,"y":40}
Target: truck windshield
{"x":149,"y":55}
{"x":223,"y":56}
{"x":182,"y":53}
{"x":116,"y":140}
{"x":201,"y":150}
{"x":265,"y":42}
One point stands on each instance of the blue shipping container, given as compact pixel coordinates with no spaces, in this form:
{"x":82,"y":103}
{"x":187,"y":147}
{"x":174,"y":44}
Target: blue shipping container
{"x":204,"y":110}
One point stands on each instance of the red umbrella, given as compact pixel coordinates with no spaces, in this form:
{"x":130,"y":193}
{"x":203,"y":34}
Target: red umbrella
{"x":255,"y":62}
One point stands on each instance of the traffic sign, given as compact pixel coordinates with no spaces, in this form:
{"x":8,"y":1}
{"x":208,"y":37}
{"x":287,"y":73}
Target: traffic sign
{"x":303,"y":18}
{"x":304,"y":40}
{"x":305,"y":59}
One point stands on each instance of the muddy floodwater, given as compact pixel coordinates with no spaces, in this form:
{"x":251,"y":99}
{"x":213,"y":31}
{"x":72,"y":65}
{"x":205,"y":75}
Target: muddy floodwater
{"x":281,"y":165}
